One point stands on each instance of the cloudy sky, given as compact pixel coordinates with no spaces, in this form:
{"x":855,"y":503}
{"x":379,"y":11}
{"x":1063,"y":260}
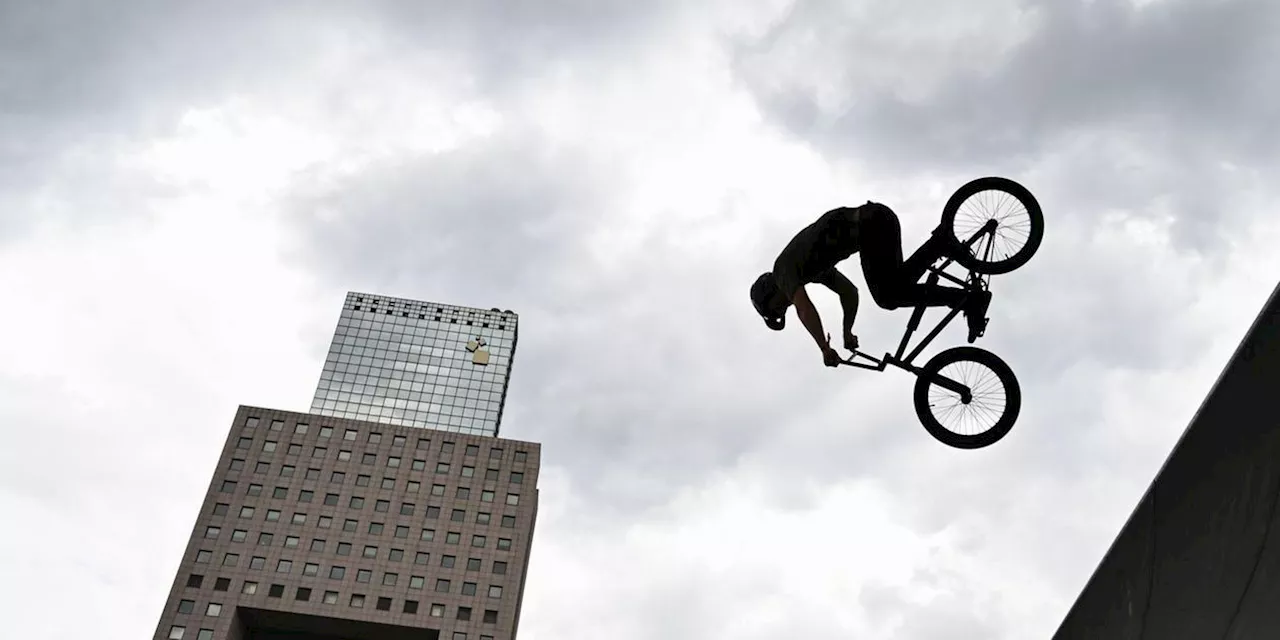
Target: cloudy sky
{"x":187,"y":190}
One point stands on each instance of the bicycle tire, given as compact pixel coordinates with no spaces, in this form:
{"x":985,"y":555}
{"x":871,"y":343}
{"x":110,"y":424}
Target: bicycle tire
{"x":1003,"y":373}
{"x":1035,"y":235}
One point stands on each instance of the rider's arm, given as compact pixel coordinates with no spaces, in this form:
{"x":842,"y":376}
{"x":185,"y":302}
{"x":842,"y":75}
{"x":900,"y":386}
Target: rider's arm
{"x":809,"y":317}
{"x":837,"y":282}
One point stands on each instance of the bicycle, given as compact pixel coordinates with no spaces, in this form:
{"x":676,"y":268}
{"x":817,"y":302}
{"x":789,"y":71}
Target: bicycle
{"x":947,"y":244}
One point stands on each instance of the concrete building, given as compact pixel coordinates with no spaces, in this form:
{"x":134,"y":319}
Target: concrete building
{"x":317,"y":526}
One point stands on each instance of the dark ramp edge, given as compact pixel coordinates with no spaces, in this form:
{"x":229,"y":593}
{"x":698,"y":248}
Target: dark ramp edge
{"x":1199,"y":558}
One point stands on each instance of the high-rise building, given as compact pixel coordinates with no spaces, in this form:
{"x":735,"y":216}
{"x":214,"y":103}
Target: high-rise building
{"x":317,"y":526}
{"x":419,"y":364}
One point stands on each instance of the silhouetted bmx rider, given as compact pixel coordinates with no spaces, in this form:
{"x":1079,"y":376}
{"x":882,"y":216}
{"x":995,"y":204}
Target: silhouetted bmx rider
{"x":811,"y":257}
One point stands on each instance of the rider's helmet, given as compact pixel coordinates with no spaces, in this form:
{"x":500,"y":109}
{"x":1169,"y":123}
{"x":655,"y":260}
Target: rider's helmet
{"x":769,"y":301}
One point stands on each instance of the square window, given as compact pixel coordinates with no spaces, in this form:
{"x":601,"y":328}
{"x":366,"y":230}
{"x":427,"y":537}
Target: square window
{"x":517,"y":477}
{"x":446,"y":447}
{"x":357,"y":600}
{"x":521,"y":456}
{"x":402,"y":531}
{"x":464,"y":613}
{"x":416,"y":582}
{"x":421,"y":557}
{"x":294,"y":449}
{"x":382,"y":506}
{"x":418,"y":465}
{"x":362,"y":480}
{"x":344,"y":548}
{"x":406,"y":508}
{"x":303,"y":594}
{"x":513,"y":499}
{"x":442,"y":467}
{"x":495,"y":453}
{"x":423,"y":443}
{"x":468,"y":588}
{"x":368,"y":458}
{"x":279,"y":492}
{"x":472,"y":450}
{"x":317,"y":545}
{"x":326,"y":432}
{"x":447,"y":561}
{"x":477,"y":541}
{"x":458,"y":515}
{"x":212,"y":532}
{"x":287,"y":471}
{"x":230,"y":559}
{"x":324,"y":522}
{"x":437,"y":490}
{"x":389,"y":579}
{"x":349,"y":525}
{"x":509,"y":522}
{"x":375,"y":438}
{"x":331,"y":499}
{"x":277,"y":425}
{"x":464,"y":493}
{"x":486,"y":496}
{"x":176,"y":632}
{"x":433,"y":513}
{"x":393,"y":462}
{"x":343,"y":455}
{"x":257,"y":562}
{"x":500,"y":567}
{"x":249,"y":588}
{"x":413,"y":486}
{"x":261,"y":467}
{"x":384,"y":604}
{"x":337,"y":477}
{"x":453,"y":537}
{"x":495,"y":591}
{"x":251,"y":422}
{"x":349,"y":435}
{"x":213,"y":610}
{"x":388,"y":483}
{"x":275,"y":591}
{"x":337,"y":573}
{"x":427,"y":535}
{"x":269,"y":446}
{"x":375,"y":528}
{"x":331,"y":597}
{"x":264,"y":539}
{"x":204,"y":634}
{"x":482,"y":517}
{"x":194,"y":581}
{"x":410,"y":606}
{"x":364,"y":575}
{"x":236,"y":464}
{"x":490,"y":616}
{"x":319,"y":452}
{"x":397,"y":441}
{"x":311,"y":569}
{"x":395,"y":555}
{"x":504,"y":544}
{"x":239,"y":535}
{"x":291,"y":542}
{"x":468,"y":472}
{"x":186,"y":606}
{"x":254,"y":490}
{"x":244,"y":443}
{"x":220,"y":509}
{"x":299,"y":518}
{"x":228,"y":486}
{"x":473,"y":564}
{"x":491,"y":475}
{"x":301,"y":427}
{"x":284,"y":566}
{"x":442,"y":585}
{"x":437,"y":611}
{"x":357,"y":502}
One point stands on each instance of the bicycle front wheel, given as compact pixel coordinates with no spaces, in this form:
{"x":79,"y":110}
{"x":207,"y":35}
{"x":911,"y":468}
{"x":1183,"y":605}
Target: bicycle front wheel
{"x":989,"y":414}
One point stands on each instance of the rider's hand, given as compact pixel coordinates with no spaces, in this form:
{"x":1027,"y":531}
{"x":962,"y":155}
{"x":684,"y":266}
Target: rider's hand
{"x":830,"y":357}
{"x":850,"y":342}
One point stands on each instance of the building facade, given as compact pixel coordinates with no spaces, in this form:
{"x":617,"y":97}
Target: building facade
{"x":319,"y":528}
{"x":419,"y":364}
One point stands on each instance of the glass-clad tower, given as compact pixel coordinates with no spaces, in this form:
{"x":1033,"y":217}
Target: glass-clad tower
{"x":418,"y":364}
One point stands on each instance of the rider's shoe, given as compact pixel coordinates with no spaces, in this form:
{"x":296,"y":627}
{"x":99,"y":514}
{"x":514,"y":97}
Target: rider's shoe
{"x":975,"y":311}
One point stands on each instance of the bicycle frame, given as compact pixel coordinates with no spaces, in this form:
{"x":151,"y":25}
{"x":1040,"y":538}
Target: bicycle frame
{"x":935,"y":271}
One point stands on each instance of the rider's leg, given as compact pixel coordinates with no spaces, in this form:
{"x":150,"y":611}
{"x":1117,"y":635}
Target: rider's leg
{"x":893,"y":282}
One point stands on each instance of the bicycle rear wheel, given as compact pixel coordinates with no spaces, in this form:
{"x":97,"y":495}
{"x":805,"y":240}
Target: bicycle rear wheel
{"x":1018,"y":220}
{"x":996,"y":398}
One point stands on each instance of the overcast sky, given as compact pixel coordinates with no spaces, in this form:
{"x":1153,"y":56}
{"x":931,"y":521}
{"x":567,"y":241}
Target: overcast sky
{"x":187,"y":190}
